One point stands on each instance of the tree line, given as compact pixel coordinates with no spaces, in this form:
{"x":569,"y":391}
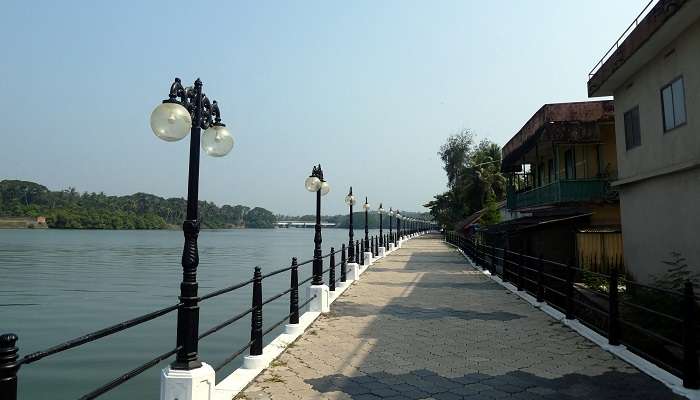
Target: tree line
{"x":69,"y":209}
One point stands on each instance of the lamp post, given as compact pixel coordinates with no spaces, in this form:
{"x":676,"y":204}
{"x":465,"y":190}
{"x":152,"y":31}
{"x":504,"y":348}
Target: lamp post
{"x":398,"y":228}
{"x":188,"y":110}
{"x":350,"y":201}
{"x":316,"y":183}
{"x":381,"y":231}
{"x":391,"y":214}
{"x":366,"y":207}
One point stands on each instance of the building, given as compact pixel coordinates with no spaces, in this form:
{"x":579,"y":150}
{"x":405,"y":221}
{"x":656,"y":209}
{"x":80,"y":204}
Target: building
{"x":653,"y":73}
{"x":559,"y":167}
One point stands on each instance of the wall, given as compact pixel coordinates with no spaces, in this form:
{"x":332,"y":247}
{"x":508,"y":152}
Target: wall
{"x":660,"y":216}
{"x":659,"y":149}
{"x":660,"y":213}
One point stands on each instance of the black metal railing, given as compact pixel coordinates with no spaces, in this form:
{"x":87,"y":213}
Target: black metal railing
{"x":10,"y":362}
{"x":658,"y":324}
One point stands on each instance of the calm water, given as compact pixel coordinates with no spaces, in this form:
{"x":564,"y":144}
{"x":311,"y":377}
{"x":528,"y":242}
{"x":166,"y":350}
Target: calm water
{"x":56,"y":285}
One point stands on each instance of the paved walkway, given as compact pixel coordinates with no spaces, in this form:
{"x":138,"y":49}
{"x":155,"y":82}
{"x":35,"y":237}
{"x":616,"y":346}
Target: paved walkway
{"x":421,"y":324}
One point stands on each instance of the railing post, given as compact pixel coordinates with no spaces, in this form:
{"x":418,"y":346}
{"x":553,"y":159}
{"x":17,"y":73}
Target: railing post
{"x":331,"y":273}
{"x":362,"y":253}
{"x":294,"y":294}
{"x":691,"y":374}
{"x":493,"y":259}
{"x":519,"y":281}
{"x":540,"y":283}
{"x":613,"y":310}
{"x":343,"y":264}
{"x":570,"y":290}
{"x":8,"y":366}
{"x":256,"y":319}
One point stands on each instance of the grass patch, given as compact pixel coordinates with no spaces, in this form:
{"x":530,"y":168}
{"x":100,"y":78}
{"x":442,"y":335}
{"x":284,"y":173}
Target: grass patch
{"x":278,"y":363}
{"x":274,"y":378}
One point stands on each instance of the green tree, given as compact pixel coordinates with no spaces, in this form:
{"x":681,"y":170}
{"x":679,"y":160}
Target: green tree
{"x":260,"y":218}
{"x":473,"y":176}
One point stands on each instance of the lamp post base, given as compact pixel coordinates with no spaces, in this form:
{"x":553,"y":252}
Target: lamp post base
{"x":391,"y":247}
{"x":194,"y":384}
{"x":382,"y":252}
{"x":320,"y":303}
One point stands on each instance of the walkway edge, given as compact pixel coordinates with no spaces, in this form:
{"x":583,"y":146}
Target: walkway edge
{"x":240,"y":378}
{"x":669,"y":380}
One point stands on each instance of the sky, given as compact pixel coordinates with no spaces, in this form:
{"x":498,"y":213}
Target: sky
{"x":369,"y":89}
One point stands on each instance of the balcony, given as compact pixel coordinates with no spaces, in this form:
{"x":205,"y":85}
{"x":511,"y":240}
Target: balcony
{"x":564,"y":191}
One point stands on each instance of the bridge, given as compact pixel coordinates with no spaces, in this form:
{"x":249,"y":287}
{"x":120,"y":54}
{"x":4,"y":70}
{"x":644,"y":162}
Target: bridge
{"x":303,"y":224}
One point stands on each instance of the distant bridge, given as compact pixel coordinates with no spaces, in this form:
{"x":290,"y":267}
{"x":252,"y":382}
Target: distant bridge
{"x":303,"y":224}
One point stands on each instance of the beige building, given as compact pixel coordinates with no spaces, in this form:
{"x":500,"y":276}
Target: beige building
{"x":653,"y":73}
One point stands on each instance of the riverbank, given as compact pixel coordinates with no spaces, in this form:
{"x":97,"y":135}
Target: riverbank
{"x":21,"y":223}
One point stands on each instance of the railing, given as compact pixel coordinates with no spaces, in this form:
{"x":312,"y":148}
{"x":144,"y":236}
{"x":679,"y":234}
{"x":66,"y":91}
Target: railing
{"x":622,"y":37}
{"x":658,"y":324}
{"x":559,"y":192}
{"x":10,"y":362}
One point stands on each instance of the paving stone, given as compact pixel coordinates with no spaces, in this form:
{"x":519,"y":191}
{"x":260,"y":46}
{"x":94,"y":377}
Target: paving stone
{"x":422,"y":324}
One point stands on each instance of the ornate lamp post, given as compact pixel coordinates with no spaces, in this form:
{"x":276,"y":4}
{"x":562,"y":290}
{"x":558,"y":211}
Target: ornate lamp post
{"x":188,"y":110}
{"x":350,"y":201}
{"x":391,"y":215}
{"x":398,"y":228}
{"x":381,"y":231}
{"x":316,"y":183}
{"x":366,"y":207}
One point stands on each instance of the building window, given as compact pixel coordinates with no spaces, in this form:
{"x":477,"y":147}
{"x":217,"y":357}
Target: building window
{"x":570,"y":164}
{"x":633,"y":134}
{"x":673,"y":104}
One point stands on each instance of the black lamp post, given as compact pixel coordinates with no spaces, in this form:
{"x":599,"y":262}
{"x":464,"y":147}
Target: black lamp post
{"x":350,"y":201}
{"x":366,"y":207}
{"x":316,"y":183}
{"x":398,"y":228}
{"x":391,"y":234}
{"x":188,"y":110}
{"x":381,"y":232}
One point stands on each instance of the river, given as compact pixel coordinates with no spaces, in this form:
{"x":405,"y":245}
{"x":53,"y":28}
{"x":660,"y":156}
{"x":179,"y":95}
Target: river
{"x":58,"y":284}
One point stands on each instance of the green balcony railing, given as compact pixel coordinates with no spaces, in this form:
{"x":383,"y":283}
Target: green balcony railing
{"x":559,"y":192}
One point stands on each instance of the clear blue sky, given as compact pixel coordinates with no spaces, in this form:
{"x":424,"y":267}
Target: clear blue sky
{"x":370,"y":89}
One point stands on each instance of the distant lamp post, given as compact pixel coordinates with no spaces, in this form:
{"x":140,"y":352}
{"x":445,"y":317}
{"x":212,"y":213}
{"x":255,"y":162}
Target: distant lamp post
{"x":381,"y":232}
{"x":316,"y":183}
{"x":188,"y":110}
{"x":398,"y":228}
{"x":391,"y":216}
{"x":366,"y":207}
{"x":350,"y":201}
